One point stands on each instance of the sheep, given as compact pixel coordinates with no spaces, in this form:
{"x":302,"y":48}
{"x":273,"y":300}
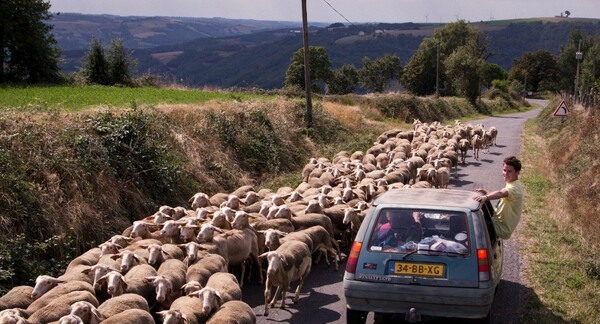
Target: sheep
{"x":185,"y":309}
{"x":442,"y":177}
{"x":238,"y":245}
{"x":121,"y":240}
{"x":336,"y":214}
{"x":204,"y":268}
{"x":169,"y":278}
{"x":199,"y":200}
{"x":354,"y":218}
{"x":282,"y":224}
{"x":142,"y":229}
{"x":233,"y":311}
{"x":132,"y":282}
{"x":89,"y":258}
{"x":308,"y":220}
{"x":136,"y":316}
{"x":157,"y":254}
{"x":48,"y":288}
{"x":90,"y":314}
{"x":494,"y":134}
{"x":290,"y":262}
{"x":10,"y":316}
{"x":61,"y":306}
{"x":170,"y":230}
{"x":17,"y":297}
{"x":130,"y":259}
{"x":109,"y":248}
{"x":463,"y":147}
{"x":476,"y":143}
{"x":119,"y":304}
{"x":70,"y":319}
{"x":220,"y":288}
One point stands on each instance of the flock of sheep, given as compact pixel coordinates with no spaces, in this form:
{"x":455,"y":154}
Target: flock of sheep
{"x":189,"y":265}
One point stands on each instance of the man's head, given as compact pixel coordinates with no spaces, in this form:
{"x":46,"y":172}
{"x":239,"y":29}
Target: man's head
{"x":511,"y":169}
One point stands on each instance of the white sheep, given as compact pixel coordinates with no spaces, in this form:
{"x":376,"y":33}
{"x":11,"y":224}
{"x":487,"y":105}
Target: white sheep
{"x":476,"y":144}
{"x":70,"y":319}
{"x":234,"y":311}
{"x":205,"y":267}
{"x":90,"y":314}
{"x":136,"y":316}
{"x":17,"y":297}
{"x":133,"y":282}
{"x":168,"y":280}
{"x":185,"y":309}
{"x":220,"y":288}
{"x":61,"y":306}
{"x":238,"y":245}
{"x":157,"y":254}
{"x":48,"y":288}
{"x":199,"y":200}
{"x":290,"y":262}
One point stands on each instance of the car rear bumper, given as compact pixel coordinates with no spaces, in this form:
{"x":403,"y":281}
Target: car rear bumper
{"x":426,"y":300}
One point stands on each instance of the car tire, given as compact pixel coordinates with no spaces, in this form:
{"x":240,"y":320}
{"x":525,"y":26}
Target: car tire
{"x":355,"y":316}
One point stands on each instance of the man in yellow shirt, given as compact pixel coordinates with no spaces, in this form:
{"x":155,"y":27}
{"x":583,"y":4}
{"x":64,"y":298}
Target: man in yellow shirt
{"x":508,"y":210}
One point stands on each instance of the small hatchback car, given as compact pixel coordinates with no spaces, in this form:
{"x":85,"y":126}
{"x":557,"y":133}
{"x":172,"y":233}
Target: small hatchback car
{"x":424,"y":253}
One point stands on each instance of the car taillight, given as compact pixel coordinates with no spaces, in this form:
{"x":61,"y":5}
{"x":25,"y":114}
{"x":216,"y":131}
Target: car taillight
{"x":483,"y":265}
{"x":353,"y":257}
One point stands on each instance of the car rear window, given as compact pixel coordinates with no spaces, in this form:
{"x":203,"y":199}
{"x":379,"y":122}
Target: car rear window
{"x":410,"y":230}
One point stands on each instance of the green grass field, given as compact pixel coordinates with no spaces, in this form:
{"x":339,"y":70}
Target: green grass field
{"x":75,"y":98}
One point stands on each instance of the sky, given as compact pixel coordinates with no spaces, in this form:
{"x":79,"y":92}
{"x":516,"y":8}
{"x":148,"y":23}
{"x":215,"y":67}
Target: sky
{"x":344,"y":11}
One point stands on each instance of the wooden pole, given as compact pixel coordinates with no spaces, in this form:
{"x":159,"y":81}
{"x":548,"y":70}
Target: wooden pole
{"x":309,"y":114}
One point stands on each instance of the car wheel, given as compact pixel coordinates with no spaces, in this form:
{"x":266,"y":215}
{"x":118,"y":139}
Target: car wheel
{"x":355,"y":316}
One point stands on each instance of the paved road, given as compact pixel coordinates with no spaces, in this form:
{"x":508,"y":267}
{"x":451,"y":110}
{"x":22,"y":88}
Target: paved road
{"x":322,"y":299}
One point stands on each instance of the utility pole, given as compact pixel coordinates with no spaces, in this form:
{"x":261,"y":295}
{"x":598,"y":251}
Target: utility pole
{"x":578,"y":57}
{"x":437,"y":71}
{"x":309,"y":114}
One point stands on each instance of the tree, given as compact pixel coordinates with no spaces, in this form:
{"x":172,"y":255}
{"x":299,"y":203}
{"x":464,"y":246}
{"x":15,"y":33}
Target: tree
{"x":463,"y":69}
{"x":120,"y":63}
{"x":95,"y":65}
{"x":491,"y":72}
{"x":541,"y":68}
{"x":27,"y":50}
{"x":344,"y":80}
{"x":567,"y":64}
{"x":419,"y":74}
{"x":377,"y":74}
{"x":320,"y":69}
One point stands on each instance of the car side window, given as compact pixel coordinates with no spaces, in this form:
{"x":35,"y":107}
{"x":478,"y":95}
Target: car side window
{"x":488,"y":211}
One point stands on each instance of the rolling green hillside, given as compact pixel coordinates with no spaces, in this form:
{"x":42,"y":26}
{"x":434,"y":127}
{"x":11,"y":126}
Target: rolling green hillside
{"x":260,"y":59}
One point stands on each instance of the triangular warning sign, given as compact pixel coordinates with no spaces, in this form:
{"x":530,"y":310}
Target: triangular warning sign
{"x":562,"y":110}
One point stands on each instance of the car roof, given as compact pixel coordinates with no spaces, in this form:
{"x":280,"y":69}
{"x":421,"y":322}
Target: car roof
{"x":429,"y":197}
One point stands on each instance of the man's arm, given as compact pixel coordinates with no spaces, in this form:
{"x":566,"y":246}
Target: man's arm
{"x":492,"y":195}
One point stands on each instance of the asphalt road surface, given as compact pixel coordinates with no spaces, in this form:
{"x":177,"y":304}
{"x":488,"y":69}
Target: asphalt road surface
{"x":322,"y":297}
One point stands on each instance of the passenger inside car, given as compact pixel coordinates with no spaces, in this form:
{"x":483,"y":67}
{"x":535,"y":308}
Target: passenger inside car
{"x":399,"y":227}
{"x":456,"y":225}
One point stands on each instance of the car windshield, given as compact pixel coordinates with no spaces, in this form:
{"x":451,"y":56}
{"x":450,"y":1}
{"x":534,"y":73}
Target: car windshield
{"x":414,"y":230}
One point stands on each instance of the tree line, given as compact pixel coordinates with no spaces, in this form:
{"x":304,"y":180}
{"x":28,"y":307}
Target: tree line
{"x":453,"y":62}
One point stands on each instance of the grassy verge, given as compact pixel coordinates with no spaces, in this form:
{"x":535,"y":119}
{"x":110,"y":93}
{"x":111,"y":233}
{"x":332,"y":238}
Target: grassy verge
{"x":74,"y":98}
{"x":562,"y":268}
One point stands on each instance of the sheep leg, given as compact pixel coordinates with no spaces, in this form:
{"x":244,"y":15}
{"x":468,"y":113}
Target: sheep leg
{"x":284,"y":291}
{"x":274,"y":300}
{"x":243,"y":266}
{"x":267,"y":297}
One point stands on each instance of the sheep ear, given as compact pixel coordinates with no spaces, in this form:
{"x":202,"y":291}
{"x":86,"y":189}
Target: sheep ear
{"x":218,"y":294}
{"x":115,"y":256}
{"x":264,"y":255}
{"x":285,"y":264}
{"x":149,"y":278}
{"x":163,"y":313}
{"x":86,"y":271}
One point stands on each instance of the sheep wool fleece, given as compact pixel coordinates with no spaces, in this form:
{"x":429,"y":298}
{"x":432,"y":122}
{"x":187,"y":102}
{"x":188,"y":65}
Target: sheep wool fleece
{"x":508,"y":210}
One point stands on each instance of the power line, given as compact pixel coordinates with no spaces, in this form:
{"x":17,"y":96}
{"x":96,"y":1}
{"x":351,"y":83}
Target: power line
{"x":329,"y":4}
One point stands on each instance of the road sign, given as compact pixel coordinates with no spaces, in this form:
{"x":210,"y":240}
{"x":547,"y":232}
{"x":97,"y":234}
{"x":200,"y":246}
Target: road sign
{"x":562,"y":110}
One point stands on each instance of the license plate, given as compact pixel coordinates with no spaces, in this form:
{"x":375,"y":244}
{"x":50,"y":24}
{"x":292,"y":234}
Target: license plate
{"x":419,"y":269}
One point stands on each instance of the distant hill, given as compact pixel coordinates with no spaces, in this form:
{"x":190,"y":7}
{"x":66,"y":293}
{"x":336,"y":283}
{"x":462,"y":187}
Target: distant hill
{"x":259,"y":53}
